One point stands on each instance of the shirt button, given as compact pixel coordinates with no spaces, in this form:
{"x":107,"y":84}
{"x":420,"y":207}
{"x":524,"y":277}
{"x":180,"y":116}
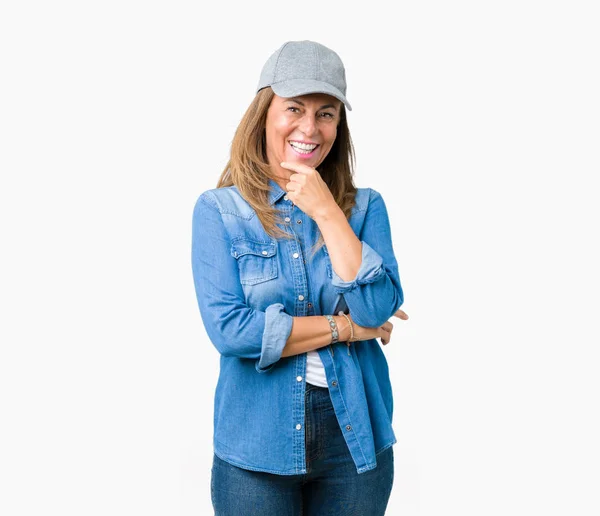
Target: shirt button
{"x":265,"y":252}
{"x":309,"y":305}
{"x":348,"y":427}
{"x":287,"y":219}
{"x":334,"y":383}
{"x":295,"y":255}
{"x":301,"y":297}
{"x":299,"y":221}
{"x":285,"y":197}
{"x":299,"y":378}
{"x":298,"y":426}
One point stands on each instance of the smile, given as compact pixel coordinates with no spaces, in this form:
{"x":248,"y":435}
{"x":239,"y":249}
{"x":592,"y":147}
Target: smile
{"x":304,"y":149}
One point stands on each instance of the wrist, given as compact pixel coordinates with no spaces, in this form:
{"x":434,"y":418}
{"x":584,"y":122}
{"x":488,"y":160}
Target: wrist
{"x":343,"y":328}
{"x":327,"y":212}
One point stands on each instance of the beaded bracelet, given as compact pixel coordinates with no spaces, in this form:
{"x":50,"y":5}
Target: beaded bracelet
{"x":350,"y":323}
{"x":351,"y":330}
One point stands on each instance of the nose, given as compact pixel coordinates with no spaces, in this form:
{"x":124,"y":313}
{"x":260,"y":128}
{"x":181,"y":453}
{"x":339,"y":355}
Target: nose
{"x":308,"y":125}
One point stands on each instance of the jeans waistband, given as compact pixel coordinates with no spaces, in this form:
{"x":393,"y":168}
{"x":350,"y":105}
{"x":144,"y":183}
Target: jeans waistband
{"x":312,"y":387}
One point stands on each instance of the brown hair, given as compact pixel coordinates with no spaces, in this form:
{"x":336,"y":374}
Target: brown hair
{"x":249,"y":170}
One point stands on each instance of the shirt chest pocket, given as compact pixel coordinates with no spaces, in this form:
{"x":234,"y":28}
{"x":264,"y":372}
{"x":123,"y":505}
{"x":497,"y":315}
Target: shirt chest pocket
{"x":257,"y":261}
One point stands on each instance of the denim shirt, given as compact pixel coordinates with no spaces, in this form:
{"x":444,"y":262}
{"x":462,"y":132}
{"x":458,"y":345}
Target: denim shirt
{"x":249,"y":286}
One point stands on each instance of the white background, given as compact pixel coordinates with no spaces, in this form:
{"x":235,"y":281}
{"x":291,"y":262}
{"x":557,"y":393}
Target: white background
{"x":479,"y":124}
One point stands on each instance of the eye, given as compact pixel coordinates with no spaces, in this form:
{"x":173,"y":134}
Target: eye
{"x":329,"y":115}
{"x":292,"y":107}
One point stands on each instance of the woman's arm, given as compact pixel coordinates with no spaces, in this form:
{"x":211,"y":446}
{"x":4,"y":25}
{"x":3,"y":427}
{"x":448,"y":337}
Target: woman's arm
{"x":312,"y":332}
{"x":365,"y":270}
{"x":343,"y":246}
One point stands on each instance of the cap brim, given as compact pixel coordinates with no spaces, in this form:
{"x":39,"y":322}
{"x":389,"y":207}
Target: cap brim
{"x":297,"y":87}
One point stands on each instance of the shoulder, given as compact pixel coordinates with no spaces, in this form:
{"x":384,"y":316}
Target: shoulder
{"x":367,"y":198}
{"x":362,"y":199}
{"x":375,"y":210}
{"x":226,"y":200}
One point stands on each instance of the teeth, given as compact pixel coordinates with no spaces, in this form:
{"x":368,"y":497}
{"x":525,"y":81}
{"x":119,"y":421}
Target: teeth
{"x":302,"y":151}
{"x":303,"y":146}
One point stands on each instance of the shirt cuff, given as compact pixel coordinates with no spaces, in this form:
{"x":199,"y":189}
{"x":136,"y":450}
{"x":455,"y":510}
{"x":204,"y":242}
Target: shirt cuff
{"x":370,"y":270}
{"x":278,"y":326}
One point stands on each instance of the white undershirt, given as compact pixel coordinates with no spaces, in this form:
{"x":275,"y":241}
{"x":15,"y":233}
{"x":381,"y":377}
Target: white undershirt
{"x":315,"y":371}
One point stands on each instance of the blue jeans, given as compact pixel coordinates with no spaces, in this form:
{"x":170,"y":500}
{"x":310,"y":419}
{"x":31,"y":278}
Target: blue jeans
{"x":330,"y":487}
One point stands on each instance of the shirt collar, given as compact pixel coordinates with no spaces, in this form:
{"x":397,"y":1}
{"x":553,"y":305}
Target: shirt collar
{"x":276,"y":191}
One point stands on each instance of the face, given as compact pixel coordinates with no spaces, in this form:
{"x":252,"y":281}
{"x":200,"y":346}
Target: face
{"x":301,"y":129}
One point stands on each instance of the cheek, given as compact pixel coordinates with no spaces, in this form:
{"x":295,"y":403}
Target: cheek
{"x":277,"y":133}
{"x":280,"y":133}
{"x":331,"y":131}
{"x":331,"y":136}
{"x":282,"y":124}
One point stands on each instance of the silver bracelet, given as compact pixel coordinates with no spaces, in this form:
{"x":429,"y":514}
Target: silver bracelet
{"x":334,"y":329}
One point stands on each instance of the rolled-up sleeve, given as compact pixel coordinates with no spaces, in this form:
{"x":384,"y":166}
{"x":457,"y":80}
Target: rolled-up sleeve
{"x":278,"y":326}
{"x":375,"y":294}
{"x":234,"y":328}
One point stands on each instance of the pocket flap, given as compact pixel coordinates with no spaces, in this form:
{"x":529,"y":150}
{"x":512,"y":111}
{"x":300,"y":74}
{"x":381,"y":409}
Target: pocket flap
{"x":245,"y":246}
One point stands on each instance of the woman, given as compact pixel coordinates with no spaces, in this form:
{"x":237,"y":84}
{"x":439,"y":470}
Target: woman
{"x":303,"y":404}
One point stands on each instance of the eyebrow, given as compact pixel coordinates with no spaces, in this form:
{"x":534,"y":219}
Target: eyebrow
{"x":302,"y":103}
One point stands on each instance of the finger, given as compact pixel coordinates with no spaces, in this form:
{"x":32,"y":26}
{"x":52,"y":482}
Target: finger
{"x":401,"y":314}
{"x":298,"y":178}
{"x":306,"y":170}
{"x":387,"y":326}
{"x":298,"y":167}
{"x":386,"y":339}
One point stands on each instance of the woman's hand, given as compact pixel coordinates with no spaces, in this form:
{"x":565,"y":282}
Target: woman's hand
{"x":307,"y":190}
{"x":383,"y":332}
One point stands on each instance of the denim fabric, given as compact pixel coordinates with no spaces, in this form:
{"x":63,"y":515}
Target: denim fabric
{"x":330,"y":486}
{"x":249,"y":287}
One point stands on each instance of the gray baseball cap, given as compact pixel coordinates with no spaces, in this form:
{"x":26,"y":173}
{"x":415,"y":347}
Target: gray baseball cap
{"x":303,"y":67}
